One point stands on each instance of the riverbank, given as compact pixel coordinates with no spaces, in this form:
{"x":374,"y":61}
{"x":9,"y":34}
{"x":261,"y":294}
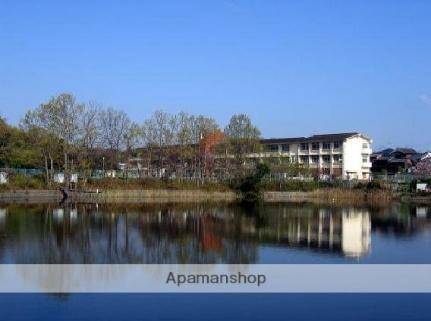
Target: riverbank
{"x":422,"y":200}
{"x":118,"y":196}
{"x":336,"y":196}
{"x":328,"y":196}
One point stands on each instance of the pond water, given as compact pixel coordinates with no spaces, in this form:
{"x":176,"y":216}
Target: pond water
{"x":269,"y":233}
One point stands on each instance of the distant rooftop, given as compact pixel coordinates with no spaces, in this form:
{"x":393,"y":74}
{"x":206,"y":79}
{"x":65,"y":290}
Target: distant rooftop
{"x":406,"y":150}
{"x":322,"y":137}
{"x":388,"y":152}
{"x":385,"y":152}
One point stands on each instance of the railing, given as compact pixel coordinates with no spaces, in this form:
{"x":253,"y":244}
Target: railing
{"x":399,"y":178}
{"x":24,"y":171}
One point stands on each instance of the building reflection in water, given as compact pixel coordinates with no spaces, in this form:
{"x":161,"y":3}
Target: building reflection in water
{"x":3,"y":212}
{"x":356,"y":232}
{"x":344,"y":231}
{"x":193,"y":234}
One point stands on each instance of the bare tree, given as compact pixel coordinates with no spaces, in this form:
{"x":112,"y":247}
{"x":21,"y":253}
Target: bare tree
{"x":177,"y":139}
{"x":60,"y":116}
{"x":133,"y":139}
{"x":114,"y":126}
{"x":184,"y":141}
{"x":159,"y":123}
{"x":90,"y":125}
{"x":149,"y":140}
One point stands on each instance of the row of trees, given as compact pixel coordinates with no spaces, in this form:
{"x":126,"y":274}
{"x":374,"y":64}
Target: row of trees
{"x":64,"y":134}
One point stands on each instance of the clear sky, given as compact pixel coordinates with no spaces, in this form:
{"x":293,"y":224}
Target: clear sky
{"x":296,"y":67}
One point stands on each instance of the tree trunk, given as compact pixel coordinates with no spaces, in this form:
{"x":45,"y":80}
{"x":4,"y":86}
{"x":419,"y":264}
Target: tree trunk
{"x":66,"y":174}
{"x":52,"y":167}
{"x":47,"y":171}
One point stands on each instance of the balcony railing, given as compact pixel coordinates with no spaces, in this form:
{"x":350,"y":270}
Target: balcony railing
{"x":366,"y":165}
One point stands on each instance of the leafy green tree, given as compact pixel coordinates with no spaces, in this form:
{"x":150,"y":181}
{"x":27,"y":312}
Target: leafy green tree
{"x":250,"y":186}
{"x":18,"y":148}
{"x":243,"y":139}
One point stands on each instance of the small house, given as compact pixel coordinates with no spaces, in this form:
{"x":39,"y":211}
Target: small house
{"x":3,"y":178}
{"x":74,"y":178}
{"x":422,"y":187}
{"x":111,"y":173}
{"x":59,"y":178}
{"x":421,"y":212}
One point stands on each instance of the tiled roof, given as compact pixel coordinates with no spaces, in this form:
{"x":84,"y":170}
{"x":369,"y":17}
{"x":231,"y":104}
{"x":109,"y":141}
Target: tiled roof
{"x":339,"y":136}
{"x":282,"y":140}
{"x":323,"y":137}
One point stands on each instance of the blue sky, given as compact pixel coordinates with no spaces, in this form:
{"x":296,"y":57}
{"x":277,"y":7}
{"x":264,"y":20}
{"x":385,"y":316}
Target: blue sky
{"x":296,"y":67}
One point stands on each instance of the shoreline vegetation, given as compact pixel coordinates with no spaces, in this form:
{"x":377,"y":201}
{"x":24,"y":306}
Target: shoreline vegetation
{"x":80,"y":145}
{"x":336,"y":196}
{"x":329,"y":196}
{"x":64,"y":150}
{"x":250,"y":188}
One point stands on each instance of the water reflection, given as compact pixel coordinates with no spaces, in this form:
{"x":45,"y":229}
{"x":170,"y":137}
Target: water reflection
{"x":194,"y":234}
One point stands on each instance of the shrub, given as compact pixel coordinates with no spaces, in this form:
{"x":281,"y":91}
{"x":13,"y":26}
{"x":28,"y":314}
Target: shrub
{"x":375,"y":185}
{"x":250,"y":186}
{"x":26,"y":182}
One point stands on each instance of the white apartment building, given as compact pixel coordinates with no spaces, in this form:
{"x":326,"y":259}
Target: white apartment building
{"x":343,"y":155}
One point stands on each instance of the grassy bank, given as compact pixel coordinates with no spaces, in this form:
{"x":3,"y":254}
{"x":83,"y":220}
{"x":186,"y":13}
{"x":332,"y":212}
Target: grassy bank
{"x":148,"y":196}
{"x":154,"y":184}
{"x":339,"y":196}
{"x":25,"y":188}
{"x":23,"y":182}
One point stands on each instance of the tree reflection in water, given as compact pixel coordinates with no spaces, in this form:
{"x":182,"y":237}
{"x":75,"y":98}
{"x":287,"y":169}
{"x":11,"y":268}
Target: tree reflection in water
{"x":190,"y":234}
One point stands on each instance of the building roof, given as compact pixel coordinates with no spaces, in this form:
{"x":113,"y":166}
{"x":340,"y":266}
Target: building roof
{"x":383,"y":153}
{"x":426,"y":155}
{"x":405,"y":150}
{"x":416,"y":157}
{"x":322,"y":137}
{"x":282,"y":140}
{"x":339,"y":136}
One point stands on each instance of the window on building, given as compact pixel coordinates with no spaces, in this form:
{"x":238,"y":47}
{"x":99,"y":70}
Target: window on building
{"x":337,"y":145}
{"x":326,"y":158}
{"x":303,"y":159}
{"x":338,"y":158}
{"x":315,"y":159}
{"x":326,"y":171}
{"x":315,"y":146}
{"x":304,"y":146}
{"x":285,"y":147}
{"x":326,"y":145}
{"x":271,"y":148}
{"x":364,"y":145}
{"x":364,"y":158}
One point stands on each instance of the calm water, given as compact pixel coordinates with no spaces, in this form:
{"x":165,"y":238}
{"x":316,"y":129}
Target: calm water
{"x":274,"y":233}
{"x":277,"y":233}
